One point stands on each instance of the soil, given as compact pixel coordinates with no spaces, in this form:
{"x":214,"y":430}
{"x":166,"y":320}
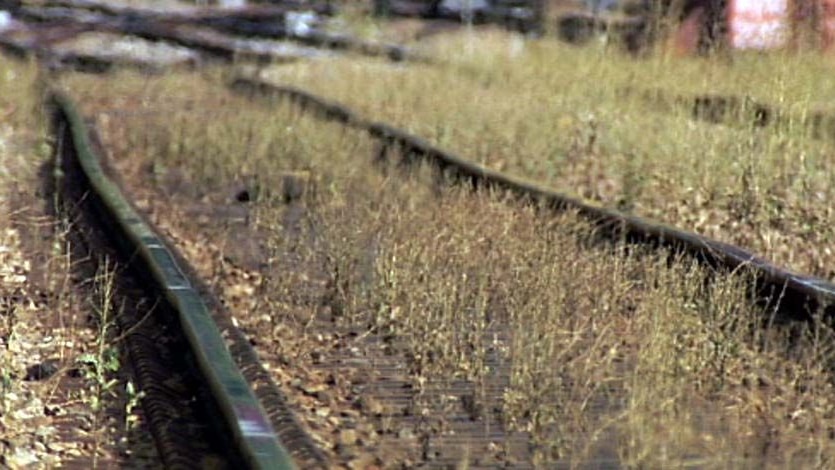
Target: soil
{"x":53,"y":412}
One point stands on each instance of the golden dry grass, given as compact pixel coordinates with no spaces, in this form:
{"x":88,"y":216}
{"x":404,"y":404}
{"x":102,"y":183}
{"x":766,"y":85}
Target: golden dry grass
{"x":608,"y":347}
{"x":556,"y":114}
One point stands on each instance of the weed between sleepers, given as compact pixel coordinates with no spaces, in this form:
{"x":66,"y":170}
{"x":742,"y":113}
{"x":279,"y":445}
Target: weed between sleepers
{"x":556,"y":114}
{"x":103,"y":363}
{"x":46,"y":408}
{"x":655,"y":365}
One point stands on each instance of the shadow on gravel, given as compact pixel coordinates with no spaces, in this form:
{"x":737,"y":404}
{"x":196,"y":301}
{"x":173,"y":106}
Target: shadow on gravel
{"x":167,"y":402}
{"x":108,"y":437}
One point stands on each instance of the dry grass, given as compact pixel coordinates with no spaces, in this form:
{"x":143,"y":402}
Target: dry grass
{"x":610,"y":351}
{"x":60,"y":387}
{"x":555,"y":113}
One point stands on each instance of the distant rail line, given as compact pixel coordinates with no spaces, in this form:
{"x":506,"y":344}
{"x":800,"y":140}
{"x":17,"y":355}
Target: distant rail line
{"x":731,"y":109}
{"x":227,"y":36}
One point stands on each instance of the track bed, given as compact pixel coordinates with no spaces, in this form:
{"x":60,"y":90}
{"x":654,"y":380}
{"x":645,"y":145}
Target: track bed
{"x":414,"y":324}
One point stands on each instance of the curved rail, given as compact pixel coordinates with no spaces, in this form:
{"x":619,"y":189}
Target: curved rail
{"x":794,"y":295}
{"x":241,"y":413}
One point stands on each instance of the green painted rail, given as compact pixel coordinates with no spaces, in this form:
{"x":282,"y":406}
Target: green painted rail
{"x":245,"y":418}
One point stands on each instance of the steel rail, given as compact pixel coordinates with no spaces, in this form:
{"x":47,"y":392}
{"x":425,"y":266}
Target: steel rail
{"x":212,"y":44}
{"x":80,"y":62}
{"x":718,"y":108}
{"x":172,"y":30}
{"x":241,"y":413}
{"x":260,"y":13}
{"x":522,"y":16}
{"x":794,"y":295}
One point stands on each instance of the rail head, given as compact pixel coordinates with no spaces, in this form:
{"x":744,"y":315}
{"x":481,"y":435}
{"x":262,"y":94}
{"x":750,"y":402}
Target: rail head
{"x":242,"y":414}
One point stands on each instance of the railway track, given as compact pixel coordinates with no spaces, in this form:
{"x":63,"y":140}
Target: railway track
{"x":368,"y":374}
{"x":380,"y":413}
{"x":523,"y":16}
{"x":795,"y":295}
{"x":731,"y":109}
{"x":227,"y":35}
{"x":197,"y":370}
{"x":230,"y":34}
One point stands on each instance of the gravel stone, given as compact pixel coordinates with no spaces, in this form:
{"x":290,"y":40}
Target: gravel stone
{"x":44,"y":370}
{"x":347,"y":437}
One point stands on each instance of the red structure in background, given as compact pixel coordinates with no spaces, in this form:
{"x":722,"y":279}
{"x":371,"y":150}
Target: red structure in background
{"x":700,"y":28}
{"x":755,"y":24}
{"x":827,"y":22}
